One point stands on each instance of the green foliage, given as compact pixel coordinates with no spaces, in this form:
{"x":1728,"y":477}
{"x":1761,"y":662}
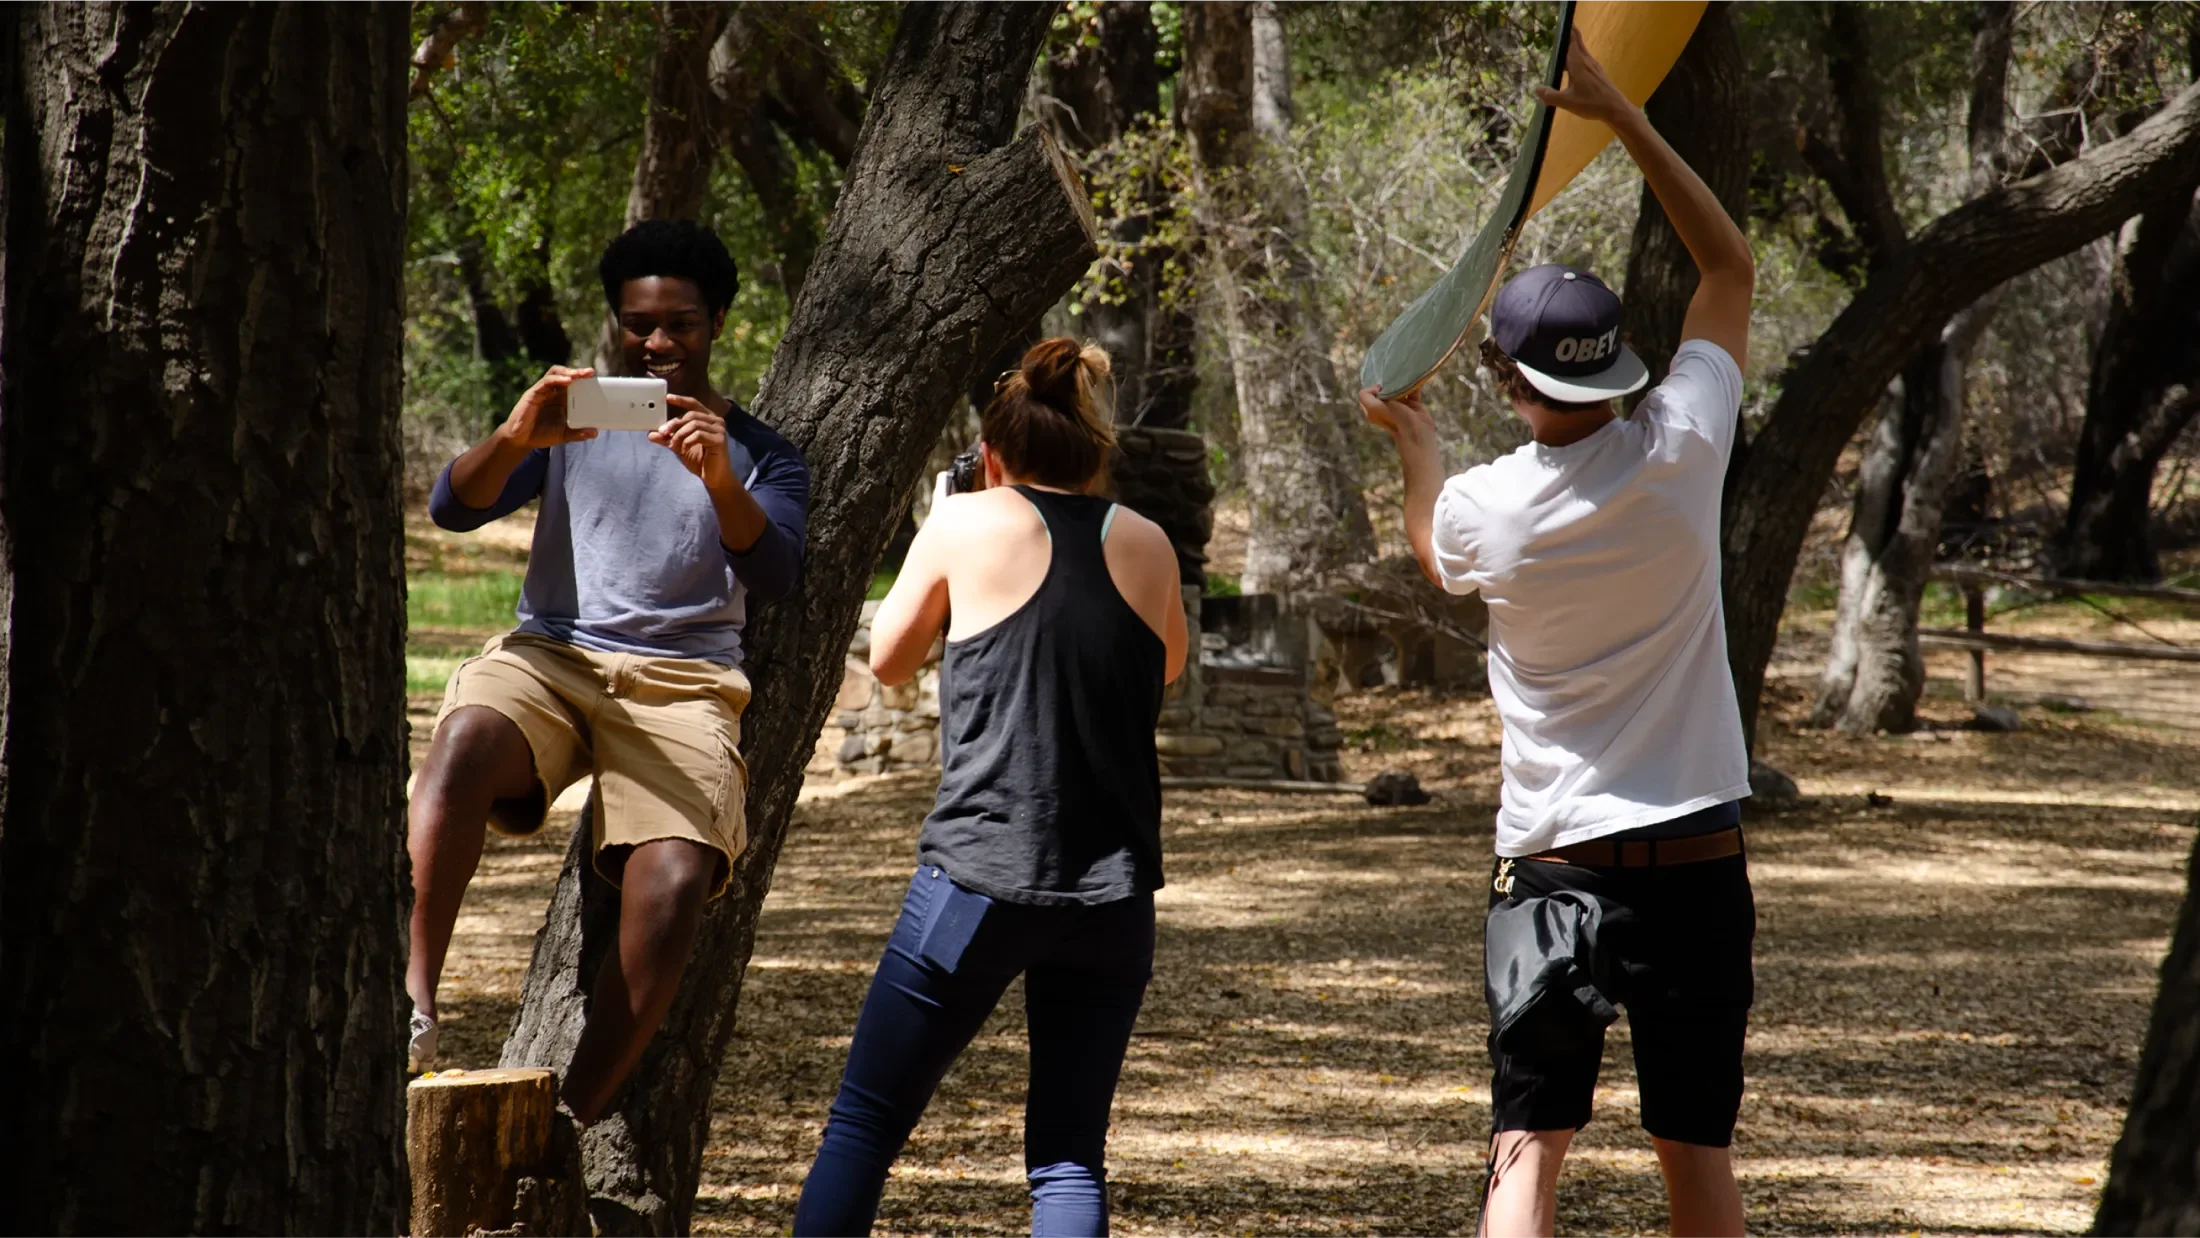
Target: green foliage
{"x":1222,"y":586}
{"x":472,"y":602}
{"x":880,"y":585}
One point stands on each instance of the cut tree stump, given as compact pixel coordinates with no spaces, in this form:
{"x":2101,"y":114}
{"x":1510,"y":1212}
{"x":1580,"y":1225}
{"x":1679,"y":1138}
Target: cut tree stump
{"x":490,"y":1154}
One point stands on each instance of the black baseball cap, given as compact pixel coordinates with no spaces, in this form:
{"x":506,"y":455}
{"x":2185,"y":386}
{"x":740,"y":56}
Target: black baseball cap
{"x":1560,"y":325}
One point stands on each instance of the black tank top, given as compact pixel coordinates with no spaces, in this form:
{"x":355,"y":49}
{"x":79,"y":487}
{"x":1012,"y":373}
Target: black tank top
{"x":1050,"y":791}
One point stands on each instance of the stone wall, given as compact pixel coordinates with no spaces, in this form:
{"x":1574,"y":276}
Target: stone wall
{"x":875,"y":729}
{"x":1216,"y":721}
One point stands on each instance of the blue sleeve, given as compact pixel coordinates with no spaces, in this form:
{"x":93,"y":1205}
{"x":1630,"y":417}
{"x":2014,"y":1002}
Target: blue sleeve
{"x":524,"y":484}
{"x":781,"y":486}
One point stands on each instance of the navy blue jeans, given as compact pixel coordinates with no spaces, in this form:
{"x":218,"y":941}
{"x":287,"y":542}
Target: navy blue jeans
{"x":951,"y":956}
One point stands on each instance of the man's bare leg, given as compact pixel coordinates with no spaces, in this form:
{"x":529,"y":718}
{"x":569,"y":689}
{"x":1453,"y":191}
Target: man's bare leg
{"x":478,"y":757}
{"x":1699,"y":1188}
{"x":661,"y":897}
{"x":1524,"y":1187}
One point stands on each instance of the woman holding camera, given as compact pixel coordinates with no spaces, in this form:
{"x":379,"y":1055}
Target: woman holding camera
{"x":1043,"y":850}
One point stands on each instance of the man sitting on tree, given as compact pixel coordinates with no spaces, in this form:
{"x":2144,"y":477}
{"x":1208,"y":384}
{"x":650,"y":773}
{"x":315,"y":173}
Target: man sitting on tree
{"x":626,"y":665}
{"x":1596,"y":547}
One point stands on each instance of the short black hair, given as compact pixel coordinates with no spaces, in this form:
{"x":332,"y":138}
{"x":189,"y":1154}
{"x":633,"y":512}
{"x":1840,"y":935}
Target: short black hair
{"x":679,"y":248}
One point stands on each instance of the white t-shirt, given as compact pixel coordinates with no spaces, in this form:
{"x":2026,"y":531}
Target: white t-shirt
{"x":1600,"y":564}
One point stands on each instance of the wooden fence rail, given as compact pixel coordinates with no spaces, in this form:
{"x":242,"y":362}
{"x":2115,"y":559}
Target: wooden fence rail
{"x":1975,"y":638}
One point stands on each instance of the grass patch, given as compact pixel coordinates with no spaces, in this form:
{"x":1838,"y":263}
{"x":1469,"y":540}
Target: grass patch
{"x":481,"y":601}
{"x":1220,"y":586}
{"x":879,"y":585}
{"x":426,"y":674}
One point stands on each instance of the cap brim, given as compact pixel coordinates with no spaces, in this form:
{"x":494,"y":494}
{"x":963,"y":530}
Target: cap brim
{"x":1625,"y":376}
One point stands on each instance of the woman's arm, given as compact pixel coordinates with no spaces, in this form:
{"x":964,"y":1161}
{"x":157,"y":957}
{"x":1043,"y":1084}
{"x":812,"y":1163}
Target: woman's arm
{"x":915,"y":609}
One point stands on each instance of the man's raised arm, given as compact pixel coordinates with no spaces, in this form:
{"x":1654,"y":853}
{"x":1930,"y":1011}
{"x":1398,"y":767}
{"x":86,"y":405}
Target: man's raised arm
{"x":1719,"y":312}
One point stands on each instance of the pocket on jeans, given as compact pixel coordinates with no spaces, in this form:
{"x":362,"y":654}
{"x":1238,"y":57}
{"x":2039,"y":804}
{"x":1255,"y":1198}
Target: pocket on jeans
{"x":950,"y":922}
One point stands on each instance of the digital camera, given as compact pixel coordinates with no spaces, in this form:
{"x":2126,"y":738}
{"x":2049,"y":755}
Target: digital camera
{"x":962,"y":475}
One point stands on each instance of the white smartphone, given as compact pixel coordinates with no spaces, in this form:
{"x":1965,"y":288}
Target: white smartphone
{"x":616,"y":404}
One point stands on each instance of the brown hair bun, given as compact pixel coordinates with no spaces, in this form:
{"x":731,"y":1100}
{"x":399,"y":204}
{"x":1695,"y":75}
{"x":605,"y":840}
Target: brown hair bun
{"x":1045,"y":424}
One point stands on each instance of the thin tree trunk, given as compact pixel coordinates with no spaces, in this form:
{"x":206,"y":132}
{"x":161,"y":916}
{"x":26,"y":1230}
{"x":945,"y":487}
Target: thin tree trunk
{"x":1954,"y":261}
{"x":1307,"y":516}
{"x":948,"y":237}
{"x":672,"y":174}
{"x":201,"y":925}
{"x":1702,"y":109}
{"x":2143,"y":392}
{"x":1101,"y":92}
{"x":2154,"y":1173}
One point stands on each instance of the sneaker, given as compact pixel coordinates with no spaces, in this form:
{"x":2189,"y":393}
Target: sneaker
{"x":420,"y":1052}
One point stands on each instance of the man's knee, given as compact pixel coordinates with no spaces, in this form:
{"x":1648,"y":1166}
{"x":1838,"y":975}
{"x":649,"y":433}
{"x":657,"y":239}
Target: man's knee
{"x":673,"y":875}
{"x":478,"y":745}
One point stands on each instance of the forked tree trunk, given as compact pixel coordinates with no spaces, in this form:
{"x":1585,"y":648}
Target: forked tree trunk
{"x":1307,"y":516}
{"x":1875,"y":672}
{"x":949,"y":236}
{"x":2143,"y":393}
{"x":201,"y":921}
{"x":1702,"y":110}
{"x":2154,"y":1173}
{"x":1901,"y":308}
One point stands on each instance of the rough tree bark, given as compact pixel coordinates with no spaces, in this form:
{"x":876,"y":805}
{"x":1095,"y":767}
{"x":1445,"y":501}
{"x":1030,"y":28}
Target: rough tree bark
{"x":1874,"y":672}
{"x":1307,"y":516}
{"x":672,"y":174}
{"x":1101,"y":92}
{"x":201,"y":923}
{"x":2143,"y":393}
{"x":2154,"y":1173}
{"x":1902,"y":307}
{"x":948,"y":237}
{"x":1702,"y":109}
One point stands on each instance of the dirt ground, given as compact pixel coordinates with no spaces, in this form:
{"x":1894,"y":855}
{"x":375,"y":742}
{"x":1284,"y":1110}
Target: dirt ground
{"x":1957,"y":944}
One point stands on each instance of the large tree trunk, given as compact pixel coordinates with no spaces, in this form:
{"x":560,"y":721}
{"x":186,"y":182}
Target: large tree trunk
{"x":201,"y":930}
{"x":672,"y":174}
{"x":1875,"y":673}
{"x":1901,"y":308}
{"x":948,"y":237}
{"x":1307,"y":516}
{"x":2143,"y":393}
{"x":1702,"y":109}
{"x":2154,"y":1173}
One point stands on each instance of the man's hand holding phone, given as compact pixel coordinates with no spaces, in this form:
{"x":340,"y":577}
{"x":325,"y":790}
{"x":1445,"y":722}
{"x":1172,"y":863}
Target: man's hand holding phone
{"x":698,"y":437}
{"x":538,"y":419}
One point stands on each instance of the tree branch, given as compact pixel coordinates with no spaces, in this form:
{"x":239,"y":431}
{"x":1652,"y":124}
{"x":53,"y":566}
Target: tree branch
{"x":1964,"y":253}
{"x":435,"y":53}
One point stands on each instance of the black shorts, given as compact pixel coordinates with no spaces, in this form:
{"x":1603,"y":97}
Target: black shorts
{"x":1686,"y":984}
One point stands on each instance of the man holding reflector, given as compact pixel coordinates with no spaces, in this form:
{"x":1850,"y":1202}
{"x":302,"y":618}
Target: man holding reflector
{"x":1596,"y":547}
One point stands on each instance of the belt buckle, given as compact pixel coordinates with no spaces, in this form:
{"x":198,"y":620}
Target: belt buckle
{"x":1503,"y":883}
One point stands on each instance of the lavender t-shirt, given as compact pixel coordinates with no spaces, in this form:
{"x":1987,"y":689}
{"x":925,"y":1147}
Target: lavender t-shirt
{"x":626,"y":557}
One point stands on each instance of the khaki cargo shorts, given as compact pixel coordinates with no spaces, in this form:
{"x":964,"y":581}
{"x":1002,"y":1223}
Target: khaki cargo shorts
{"x":661,"y":735}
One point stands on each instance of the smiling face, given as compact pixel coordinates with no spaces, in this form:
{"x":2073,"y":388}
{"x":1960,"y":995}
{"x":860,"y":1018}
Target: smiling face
{"x":665,"y":331}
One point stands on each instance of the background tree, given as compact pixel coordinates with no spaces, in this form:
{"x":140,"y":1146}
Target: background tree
{"x":1103,"y":104}
{"x":1901,"y":306}
{"x":948,"y":237}
{"x":2143,"y":392}
{"x":203,"y":860}
{"x":1305,"y":513}
{"x":1875,"y":673}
